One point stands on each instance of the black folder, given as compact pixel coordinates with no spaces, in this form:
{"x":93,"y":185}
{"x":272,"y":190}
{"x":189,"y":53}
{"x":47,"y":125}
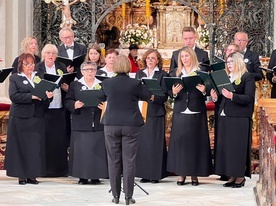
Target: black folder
{"x":153,"y":86}
{"x":76,"y":62}
{"x":65,"y":78}
{"x":101,"y":78}
{"x":90,"y":98}
{"x":4,"y":73}
{"x":214,"y":66}
{"x":216,"y":80}
{"x":42,"y":87}
{"x":189,"y":83}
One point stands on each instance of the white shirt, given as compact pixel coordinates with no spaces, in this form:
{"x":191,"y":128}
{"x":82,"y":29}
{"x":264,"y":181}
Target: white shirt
{"x":109,"y":74}
{"x":146,"y":71}
{"x":70,"y":52}
{"x":56,"y":103}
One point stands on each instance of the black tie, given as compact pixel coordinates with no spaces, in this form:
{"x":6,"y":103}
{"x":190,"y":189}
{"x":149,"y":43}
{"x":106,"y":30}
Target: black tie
{"x":69,"y":47}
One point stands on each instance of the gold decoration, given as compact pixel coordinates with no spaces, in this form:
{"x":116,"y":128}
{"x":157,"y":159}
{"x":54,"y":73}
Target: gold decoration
{"x":36,"y":79}
{"x":60,"y":72}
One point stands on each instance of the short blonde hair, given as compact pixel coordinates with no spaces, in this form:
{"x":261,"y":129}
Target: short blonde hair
{"x":121,"y":64}
{"x":47,"y":48}
{"x":25,"y":43}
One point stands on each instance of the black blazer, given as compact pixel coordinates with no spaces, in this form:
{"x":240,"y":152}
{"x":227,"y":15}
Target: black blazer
{"x":41,"y":70}
{"x":242,"y":104}
{"x":156,"y":107}
{"x":269,"y":75}
{"x":194,"y":100}
{"x":23,"y":105}
{"x":15,"y":63}
{"x":202,"y":56}
{"x":78,"y":50}
{"x":122,"y":94}
{"x":253,"y":64}
{"x":82,"y":118}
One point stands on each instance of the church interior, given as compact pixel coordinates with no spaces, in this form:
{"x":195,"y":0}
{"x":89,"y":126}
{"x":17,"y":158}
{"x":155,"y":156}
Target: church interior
{"x":107,"y":23}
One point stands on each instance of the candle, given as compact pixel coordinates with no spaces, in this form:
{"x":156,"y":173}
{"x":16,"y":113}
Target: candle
{"x":123,"y":10}
{"x":147,"y":8}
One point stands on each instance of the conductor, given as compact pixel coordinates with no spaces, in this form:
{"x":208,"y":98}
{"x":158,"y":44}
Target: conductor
{"x":122,"y":121}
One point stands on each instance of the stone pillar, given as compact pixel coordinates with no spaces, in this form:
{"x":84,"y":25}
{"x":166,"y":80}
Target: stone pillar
{"x":16,"y":20}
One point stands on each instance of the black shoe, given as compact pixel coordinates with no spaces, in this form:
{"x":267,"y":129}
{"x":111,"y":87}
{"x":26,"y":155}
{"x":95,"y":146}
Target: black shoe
{"x":238,"y":185}
{"x":22,"y":181}
{"x":154,"y":181}
{"x":229,"y":184}
{"x":83,"y":181}
{"x":95,"y":181}
{"x":195,"y":182}
{"x":144,"y":180}
{"x":224,"y":178}
{"x":180,"y":183}
{"x":115,"y":200}
{"x":130,"y":200}
{"x":32,"y":181}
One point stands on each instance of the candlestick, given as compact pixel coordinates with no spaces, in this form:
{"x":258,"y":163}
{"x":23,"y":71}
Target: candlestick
{"x":123,"y":10}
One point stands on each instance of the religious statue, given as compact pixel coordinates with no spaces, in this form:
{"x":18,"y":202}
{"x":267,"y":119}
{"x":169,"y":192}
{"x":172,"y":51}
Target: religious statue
{"x":68,"y":21}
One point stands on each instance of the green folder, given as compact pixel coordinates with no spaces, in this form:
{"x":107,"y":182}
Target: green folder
{"x":90,"y":98}
{"x":189,"y":83}
{"x":66,"y":78}
{"x":43,"y":86}
{"x":216,"y":80}
{"x":153,"y":86}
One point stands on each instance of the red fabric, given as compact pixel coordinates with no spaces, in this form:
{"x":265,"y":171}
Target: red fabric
{"x":134,"y":64}
{"x":210,"y":106}
{"x":4,"y":107}
{"x":275,"y":139}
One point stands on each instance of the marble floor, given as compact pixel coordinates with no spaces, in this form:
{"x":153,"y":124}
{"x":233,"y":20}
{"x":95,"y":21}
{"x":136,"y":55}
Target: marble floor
{"x":66,"y":191}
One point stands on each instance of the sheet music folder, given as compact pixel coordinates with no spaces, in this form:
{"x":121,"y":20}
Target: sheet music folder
{"x":43,"y":86}
{"x":153,"y":86}
{"x":75,"y":62}
{"x":216,"y":80}
{"x":4,"y":73}
{"x":65,"y":78}
{"x":189,"y":83}
{"x":90,"y":98}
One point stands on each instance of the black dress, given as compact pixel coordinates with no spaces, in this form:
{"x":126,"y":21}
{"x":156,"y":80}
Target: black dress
{"x":233,"y":144}
{"x":189,"y":152}
{"x":152,"y":152}
{"x":88,"y":158}
{"x":25,"y":152}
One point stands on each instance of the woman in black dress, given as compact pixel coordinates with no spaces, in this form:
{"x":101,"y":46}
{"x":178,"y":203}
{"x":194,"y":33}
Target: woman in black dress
{"x":28,"y":45}
{"x":189,"y":151}
{"x":88,"y":159}
{"x":25,"y":153}
{"x":233,"y":144}
{"x":152,"y":152}
{"x":57,"y":120}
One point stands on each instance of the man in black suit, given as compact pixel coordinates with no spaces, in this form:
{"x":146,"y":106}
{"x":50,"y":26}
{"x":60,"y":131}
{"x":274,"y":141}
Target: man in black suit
{"x":251,"y":58}
{"x":70,"y":49}
{"x":189,"y":37}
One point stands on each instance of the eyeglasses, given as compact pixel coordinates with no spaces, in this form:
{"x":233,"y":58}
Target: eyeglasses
{"x":151,"y":58}
{"x":229,"y":62}
{"x":240,"y":40}
{"x":29,"y":65}
{"x":89,"y":70}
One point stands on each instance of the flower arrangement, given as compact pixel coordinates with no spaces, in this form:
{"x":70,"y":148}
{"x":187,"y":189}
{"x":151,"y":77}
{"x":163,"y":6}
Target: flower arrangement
{"x":60,"y":72}
{"x":135,"y":34}
{"x":203,"y":34}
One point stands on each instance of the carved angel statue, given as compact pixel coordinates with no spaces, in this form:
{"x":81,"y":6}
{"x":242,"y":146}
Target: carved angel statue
{"x":68,"y":21}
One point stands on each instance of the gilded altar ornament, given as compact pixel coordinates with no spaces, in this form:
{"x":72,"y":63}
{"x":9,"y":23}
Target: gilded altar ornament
{"x":64,"y":6}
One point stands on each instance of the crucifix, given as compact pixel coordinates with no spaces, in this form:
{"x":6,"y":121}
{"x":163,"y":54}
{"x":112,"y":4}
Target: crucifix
{"x":64,"y":6}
